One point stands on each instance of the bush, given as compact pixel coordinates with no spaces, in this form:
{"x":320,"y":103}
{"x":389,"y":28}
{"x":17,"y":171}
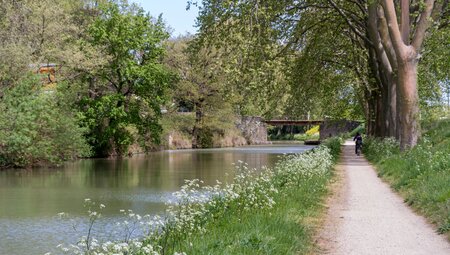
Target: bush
{"x":377,"y":150}
{"x":334,"y":144}
{"x":37,"y":127}
{"x":205,"y":138}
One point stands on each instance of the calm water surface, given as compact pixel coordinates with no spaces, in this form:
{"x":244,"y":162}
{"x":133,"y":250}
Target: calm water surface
{"x":31,"y":199}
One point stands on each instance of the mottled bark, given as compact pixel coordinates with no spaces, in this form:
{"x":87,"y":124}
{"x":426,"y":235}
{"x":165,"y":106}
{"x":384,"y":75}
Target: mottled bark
{"x":408,"y":102}
{"x":393,"y":130}
{"x":405,"y":52}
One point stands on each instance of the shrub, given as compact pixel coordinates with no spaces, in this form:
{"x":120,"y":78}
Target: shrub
{"x":376,"y":149}
{"x":334,"y":144}
{"x":37,"y":127}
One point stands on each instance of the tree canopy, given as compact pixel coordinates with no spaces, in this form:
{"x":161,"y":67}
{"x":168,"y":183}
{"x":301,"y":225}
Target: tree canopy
{"x":113,"y":69}
{"x":129,"y":89}
{"x":376,"y":45}
{"x":106,"y":60}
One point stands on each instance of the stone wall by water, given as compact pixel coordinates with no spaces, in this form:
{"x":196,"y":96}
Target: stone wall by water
{"x":331,"y":128}
{"x":254,"y":129}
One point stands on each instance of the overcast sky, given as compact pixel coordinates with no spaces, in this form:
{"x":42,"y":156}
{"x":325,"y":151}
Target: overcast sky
{"x":174,"y":13}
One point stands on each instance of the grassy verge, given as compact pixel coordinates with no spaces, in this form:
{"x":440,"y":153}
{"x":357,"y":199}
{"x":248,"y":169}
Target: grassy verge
{"x":273,"y":211}
{"x":287,"y":228}
{"x":421,"y":175}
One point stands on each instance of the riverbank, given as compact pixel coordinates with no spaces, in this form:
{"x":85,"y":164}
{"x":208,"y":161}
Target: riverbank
{"x":421,"y":175}
{"x":288,"y":228}
{"x":273,"y":211}
{"x":142,"y":183}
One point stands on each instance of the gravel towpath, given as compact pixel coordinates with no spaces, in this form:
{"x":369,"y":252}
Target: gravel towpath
{"x":366,"y":217}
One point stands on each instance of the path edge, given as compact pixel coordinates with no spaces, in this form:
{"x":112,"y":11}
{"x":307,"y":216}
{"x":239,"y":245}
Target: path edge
{"x":327,"y":225}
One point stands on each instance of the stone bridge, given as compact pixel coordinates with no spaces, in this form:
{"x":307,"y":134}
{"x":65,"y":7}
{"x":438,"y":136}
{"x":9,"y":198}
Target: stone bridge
{"x":328,"y":127}
{"x":254,"y":128}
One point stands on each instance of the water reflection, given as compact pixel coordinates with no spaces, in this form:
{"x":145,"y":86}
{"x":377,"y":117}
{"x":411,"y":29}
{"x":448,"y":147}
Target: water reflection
{"x":30,"y":199}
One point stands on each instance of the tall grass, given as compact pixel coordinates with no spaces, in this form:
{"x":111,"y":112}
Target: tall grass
{"x":266,"y":211}
{"x":421,"y":175}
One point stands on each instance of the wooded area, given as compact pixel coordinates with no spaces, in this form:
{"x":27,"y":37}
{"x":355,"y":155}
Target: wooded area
{"x":371,"y":51}
{"x":118,"y":69}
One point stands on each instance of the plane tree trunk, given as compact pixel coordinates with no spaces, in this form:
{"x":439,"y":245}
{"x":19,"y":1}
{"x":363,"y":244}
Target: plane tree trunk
{"x":393,"y":43}
{"x":408,"y":101}
{"x":402,"y":44}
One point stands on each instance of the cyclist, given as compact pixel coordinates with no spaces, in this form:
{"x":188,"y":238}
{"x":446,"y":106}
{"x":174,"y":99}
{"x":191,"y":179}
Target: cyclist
{"x":358,"y":140}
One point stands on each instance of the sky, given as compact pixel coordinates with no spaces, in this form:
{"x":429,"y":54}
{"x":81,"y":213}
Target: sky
{"x":174,"y":13}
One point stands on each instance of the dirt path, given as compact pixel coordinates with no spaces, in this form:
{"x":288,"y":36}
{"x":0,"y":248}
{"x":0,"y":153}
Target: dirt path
{"x":366,"y":217}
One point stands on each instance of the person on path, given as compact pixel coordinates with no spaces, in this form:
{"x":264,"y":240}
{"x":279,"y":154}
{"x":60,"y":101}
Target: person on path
{"x":358,"y":140}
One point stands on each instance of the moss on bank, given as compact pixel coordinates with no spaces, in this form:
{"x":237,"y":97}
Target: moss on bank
{"x":421,"y":175}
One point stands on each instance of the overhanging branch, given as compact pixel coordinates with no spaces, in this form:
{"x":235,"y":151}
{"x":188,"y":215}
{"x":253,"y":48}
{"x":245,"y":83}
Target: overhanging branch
{"x":350,"y":24}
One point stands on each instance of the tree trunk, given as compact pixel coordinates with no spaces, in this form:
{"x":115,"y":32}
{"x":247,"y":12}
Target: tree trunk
{"x":408,"y":98}
{"x":392,"y":99}
{"x":406,"y":51}
{"x":371,"y":118}
{"x":370,"y":112}
{"x":197,"y":124}
{"x":389,"y":93}
{"x":383,"y":65}
{"x":379,"y":118}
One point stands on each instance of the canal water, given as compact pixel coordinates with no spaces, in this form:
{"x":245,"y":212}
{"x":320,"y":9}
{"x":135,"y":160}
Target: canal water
{"x":30,"y":200}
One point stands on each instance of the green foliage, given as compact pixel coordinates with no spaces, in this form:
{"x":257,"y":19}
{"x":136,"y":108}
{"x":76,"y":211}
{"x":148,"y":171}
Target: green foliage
{"x":205,"y":138}
{"x":360,"y":129}
{"x":378,"y":150}
{"x":322,"y":82}
{"x":313,"y":130}
{"x":37,"y":127}
{"x":334,"y":144}
{"x":182,"y":122}
{"x":202,"y":88}
{"x":131,"y":86}
{"x":32,"y":34}
{"x":304,"y":137}
{"x":434,"y":77}
{"x":255,"y":76}
{"x":285,"y":132}
{"x":287,"y":229}
{"x":282,"y":58}
{"x":421,"y":174}
{"x":106,"y":120}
